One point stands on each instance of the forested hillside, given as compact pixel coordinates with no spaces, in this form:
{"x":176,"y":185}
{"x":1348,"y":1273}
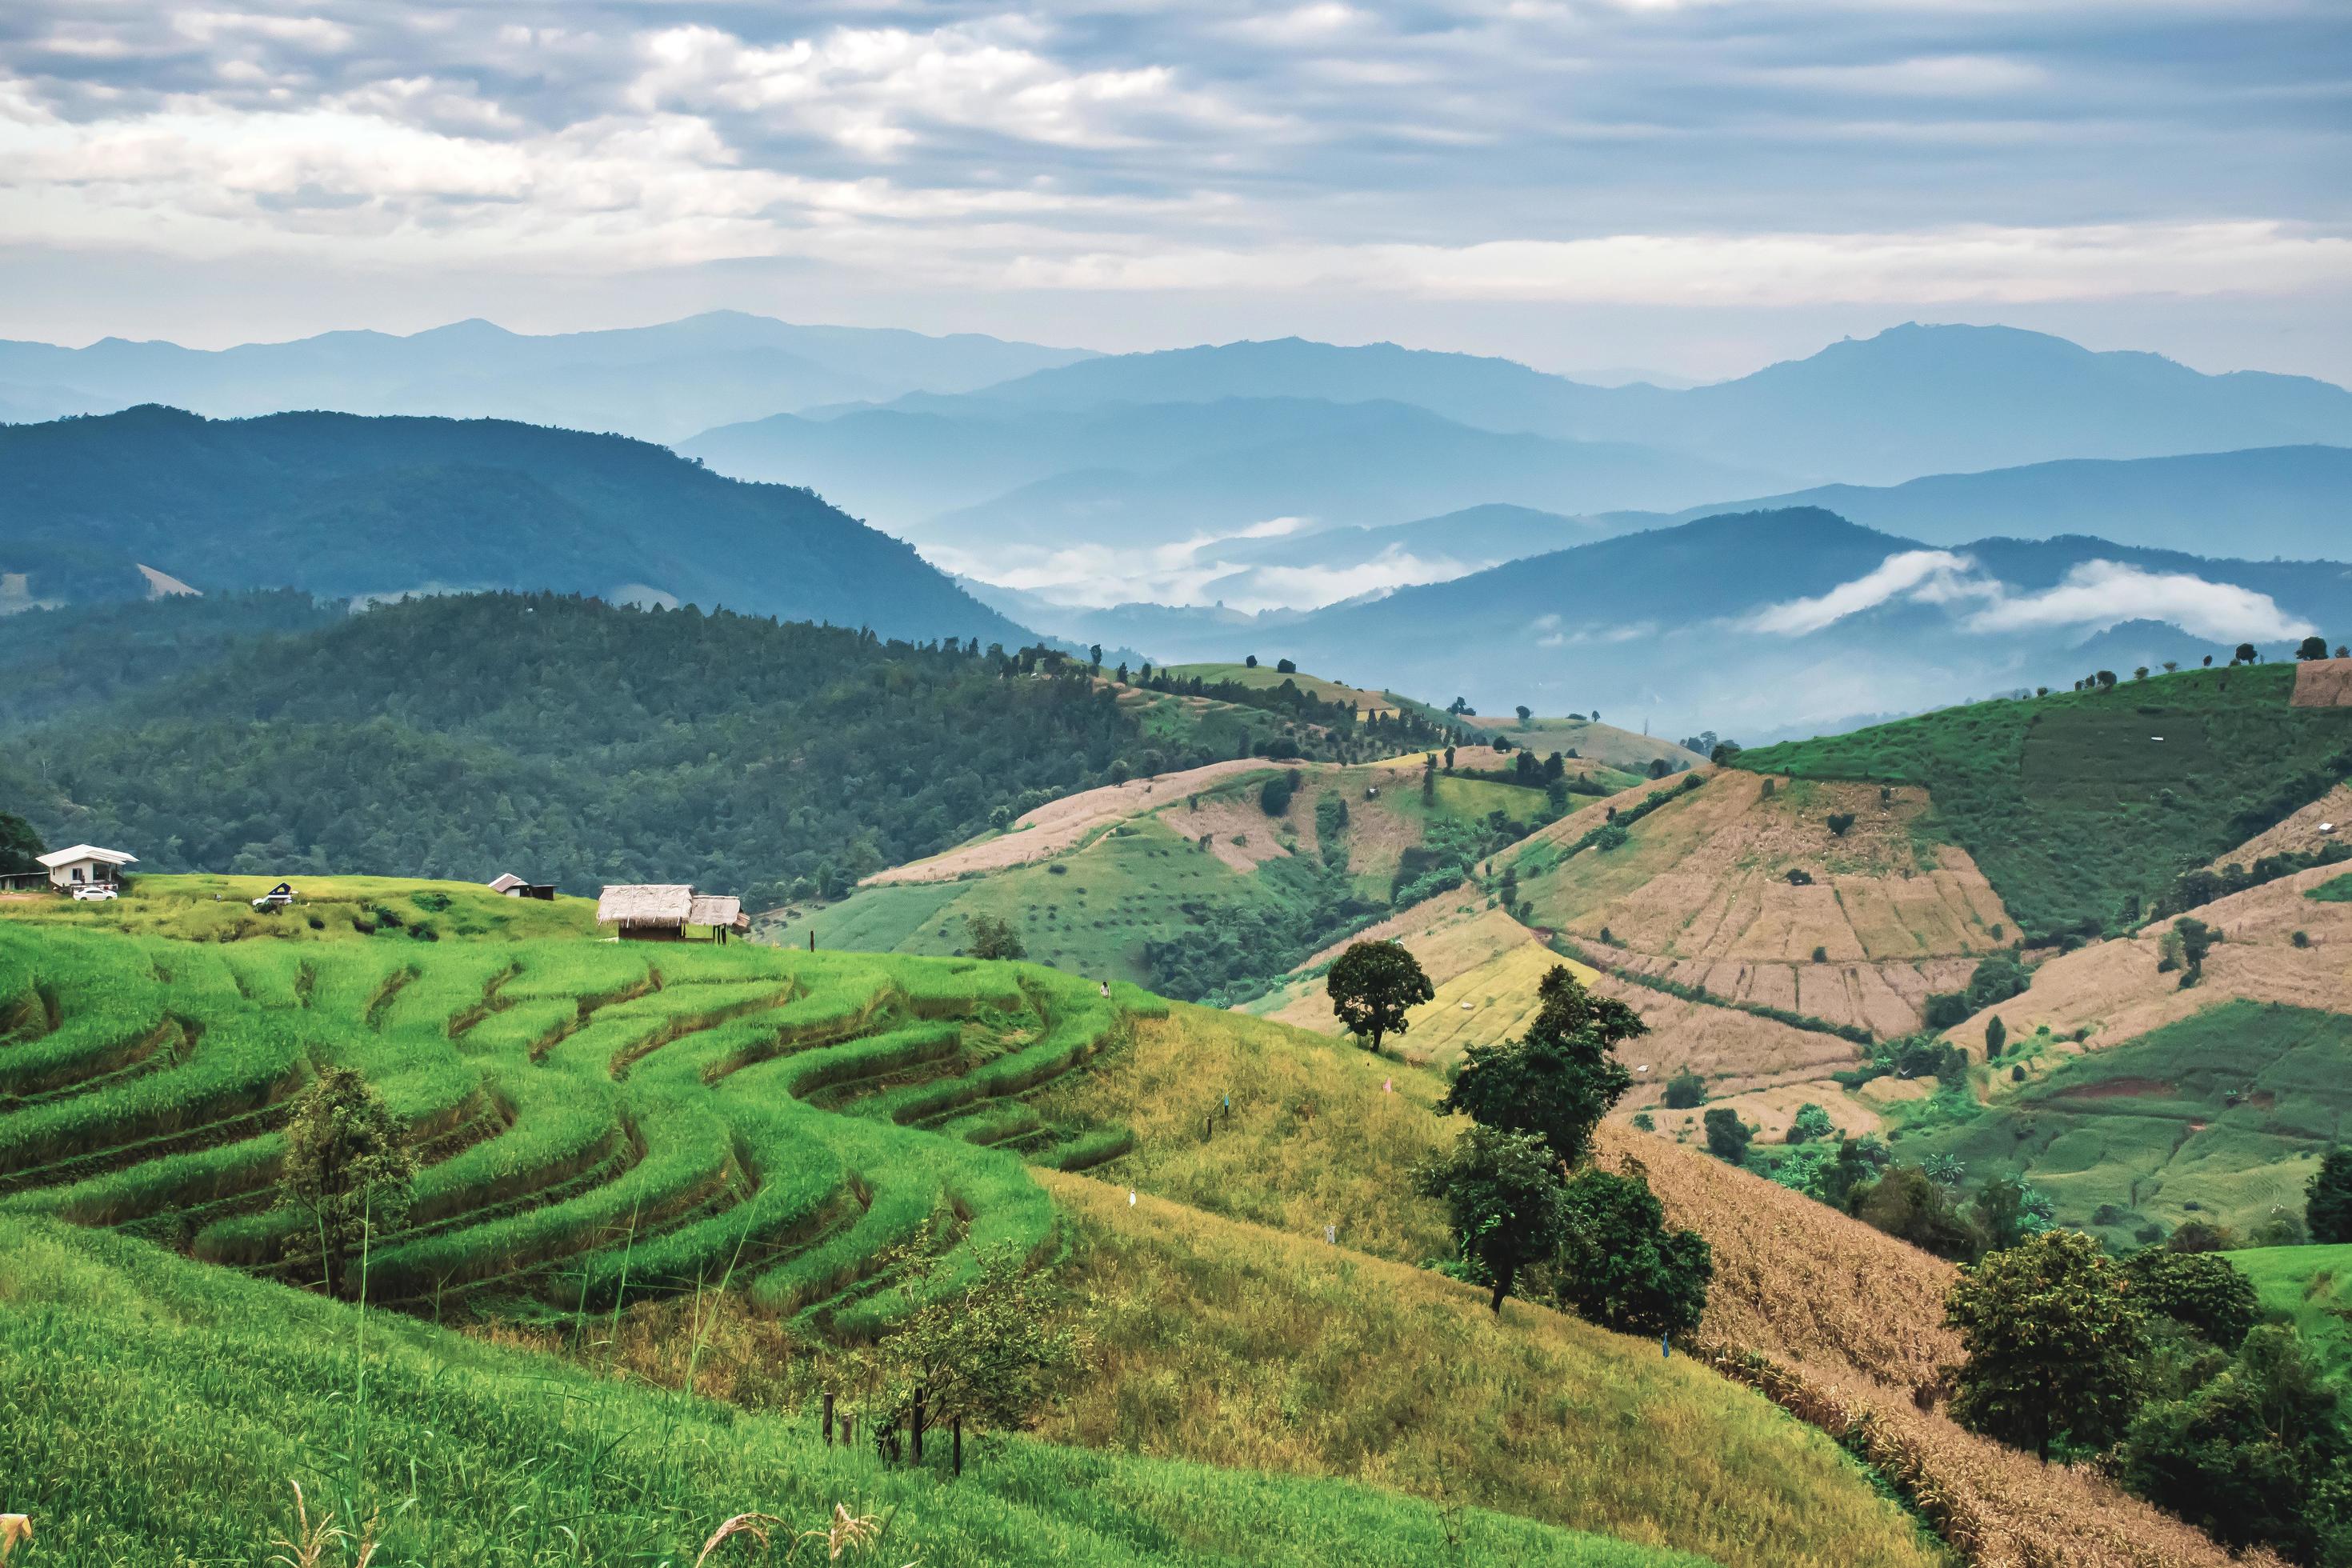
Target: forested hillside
{"x":572,"y":741}
{"x":341,"y":506}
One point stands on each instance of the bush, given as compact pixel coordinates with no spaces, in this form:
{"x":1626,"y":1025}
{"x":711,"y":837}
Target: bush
{"x":2202,"y":1291}
{"x":1810,"y":1121}
{"x":1727,"y":1136}
{"x":1839,"y":821}
{"x":1685,"y":1090}
{"x":1621,"y":1266}
{"x":1274,"y":796}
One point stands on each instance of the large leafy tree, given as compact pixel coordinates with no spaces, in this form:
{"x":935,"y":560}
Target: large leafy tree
{"x":1504,"y":1199}
{"x":2256,"y":1455}
{"x":1619,"y":1266}
{"x":1371,"y":985}
{"x":1557,"y":1081}
{"x":2328,"y":1209}
{"x":2052,"y":1338}
{"x":348,"y":1173}
{"x":19,"y":845}
{"x":2202,"y":1291}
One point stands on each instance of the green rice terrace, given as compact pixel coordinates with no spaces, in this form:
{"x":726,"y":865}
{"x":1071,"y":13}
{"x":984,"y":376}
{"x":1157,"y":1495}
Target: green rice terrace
{"x":596,"y":1121}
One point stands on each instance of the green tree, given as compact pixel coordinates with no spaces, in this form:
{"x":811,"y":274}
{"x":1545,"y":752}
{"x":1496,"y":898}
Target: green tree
{"x":1621,"y":1268}
{"x":1525,"y":713}
{"x":987,"y":936}
{"x":980,"y":1352}
{"x":2202,"y":1291}
{"x":1274,"y":796}
{"x":1094,"y":658}
{"x":1557,"y":1081}
{"x":1504,"y":1202}
{"x":1285,"y":666}
{"x":1727,"y":1136}
{"x":1372,"y":986}
{"x":347,"y":1175}
{"x":2053,"y":1339}
{"x":2327,"y":1199}
{"x":2256,"y":1455}
{"x":20,"y":846}
{"x":2009,"y":1209}
{"x":1685,"y":1090}
{"x":2246,"y":654}
{"x":1907,"y":1204}
{"x":1996,"y":1036}
{"x":1810,"y":1121}
{"x":2312,"y":648}
{"x":1250,"y":662}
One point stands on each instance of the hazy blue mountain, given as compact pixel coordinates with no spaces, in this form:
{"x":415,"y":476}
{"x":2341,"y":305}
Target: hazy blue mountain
{"x":2271,"y":501}
{"x":661,"y":382}
{"x":344,"y":505}
{"x":1670,"y":625}
{"x":985,"y":479}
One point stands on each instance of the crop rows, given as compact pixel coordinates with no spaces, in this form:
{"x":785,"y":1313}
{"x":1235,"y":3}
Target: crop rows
{"x":593,"y":1122}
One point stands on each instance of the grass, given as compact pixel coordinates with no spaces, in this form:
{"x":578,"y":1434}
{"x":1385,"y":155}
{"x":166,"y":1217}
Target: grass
{"x":219,"y":908}
{"x":2073,"y":807}
{"x":2310,"y":1287}
{"x":157,"y":1411}
{"x":1266,"y":678}
{"x":2335,"y":890}
{"x":595,"y":1121}
{"x":2220,"y":1117}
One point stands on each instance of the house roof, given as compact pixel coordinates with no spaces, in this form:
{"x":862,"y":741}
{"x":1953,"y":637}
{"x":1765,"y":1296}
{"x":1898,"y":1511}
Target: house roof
{"x":508,"y":879}
{"x":87,"y":852}
{"x":714,"y":909}
{"x":645,"y":903}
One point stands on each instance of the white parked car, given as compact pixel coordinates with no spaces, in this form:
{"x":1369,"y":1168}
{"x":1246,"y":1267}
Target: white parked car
{"x":92,"y":892}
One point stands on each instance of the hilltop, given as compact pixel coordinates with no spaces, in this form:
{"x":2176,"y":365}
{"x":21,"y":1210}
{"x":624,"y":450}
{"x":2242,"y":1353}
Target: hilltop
{"x":341,"y":506}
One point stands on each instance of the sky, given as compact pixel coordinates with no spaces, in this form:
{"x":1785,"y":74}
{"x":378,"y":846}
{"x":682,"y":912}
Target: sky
{"x":1691,"y":187}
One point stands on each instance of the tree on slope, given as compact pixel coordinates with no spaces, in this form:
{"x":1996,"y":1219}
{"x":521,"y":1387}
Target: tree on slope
{"x":980,"y":1352}
{"x":348,"y":1173}
{"x":1371,"y":985}
{"x":2054,"y":1339}
{"x":1504,"y":1199}
{"x":2328,"y":1209}
{"x":986,"y":936}
{"x":1621,"y":1268}
{"x":1560,"y":1079}
{"x":20,"y":846}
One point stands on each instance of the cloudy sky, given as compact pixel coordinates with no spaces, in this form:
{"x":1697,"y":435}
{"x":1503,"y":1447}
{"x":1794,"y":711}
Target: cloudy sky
{"x":1695,"y":186}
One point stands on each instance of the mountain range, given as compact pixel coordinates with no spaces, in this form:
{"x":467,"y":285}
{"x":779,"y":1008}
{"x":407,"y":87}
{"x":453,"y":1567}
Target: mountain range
{"x":661,"y":383}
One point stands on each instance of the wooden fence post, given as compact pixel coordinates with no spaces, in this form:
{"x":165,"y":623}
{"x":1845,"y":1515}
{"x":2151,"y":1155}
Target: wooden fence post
{"x":919,"y":1423}
{"x":828,"y":1420}
{"x":957,"y":1445}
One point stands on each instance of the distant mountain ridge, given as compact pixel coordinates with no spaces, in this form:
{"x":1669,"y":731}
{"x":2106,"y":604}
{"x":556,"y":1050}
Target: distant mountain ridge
{"x":1678,"y":623}
{"x":661,"y":382}
{"x":344,"y":506}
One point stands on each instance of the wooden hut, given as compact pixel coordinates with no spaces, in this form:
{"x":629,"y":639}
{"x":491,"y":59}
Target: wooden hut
{"x":669,"y":911}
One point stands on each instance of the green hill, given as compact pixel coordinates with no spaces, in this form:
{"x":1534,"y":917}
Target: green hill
{"x":563,"y":739}
{"x":2082,"y":808}
{"x":157,"y":1411}
{"x":340,"y":505}
{"x":742,"y":1131}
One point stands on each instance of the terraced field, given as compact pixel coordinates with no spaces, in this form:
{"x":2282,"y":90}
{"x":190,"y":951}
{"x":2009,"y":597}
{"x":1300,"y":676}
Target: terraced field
{"x":596,"y":1121}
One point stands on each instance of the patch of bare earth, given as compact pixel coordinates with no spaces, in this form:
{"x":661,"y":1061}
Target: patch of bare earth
{"x":1062,"y":824}
{"x":2115,"y":991}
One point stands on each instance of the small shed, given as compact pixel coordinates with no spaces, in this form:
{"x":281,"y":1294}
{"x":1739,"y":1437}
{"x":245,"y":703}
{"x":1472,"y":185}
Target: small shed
{"x":83,"y":865}
{"x":669,"y":911}
{"x":514,"y":886}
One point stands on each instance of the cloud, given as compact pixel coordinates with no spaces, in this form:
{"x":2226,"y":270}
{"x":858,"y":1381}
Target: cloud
{"x":2093,"y":595}
{"x":2102,"y":593}
{"x":1918,"y":574}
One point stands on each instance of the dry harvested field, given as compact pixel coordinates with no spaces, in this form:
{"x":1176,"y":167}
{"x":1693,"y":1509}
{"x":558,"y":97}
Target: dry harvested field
{"x":1770,"y":1110}
{"x":1851,"y":1322}
{"x":2322,"y":683}
{"x":1707,"y":876}
{"x":2114,"y":991}
{"x":2299,"y":831}
{"x":1736,"y":1052}
{"x":1064,"y":824}
{"x":1885,"y":998}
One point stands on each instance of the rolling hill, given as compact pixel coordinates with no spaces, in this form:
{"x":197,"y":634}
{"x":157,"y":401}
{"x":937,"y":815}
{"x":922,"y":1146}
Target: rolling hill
{"x":2268,"y":502}
{"x":658,"y":383}
{"x":341,"y":506}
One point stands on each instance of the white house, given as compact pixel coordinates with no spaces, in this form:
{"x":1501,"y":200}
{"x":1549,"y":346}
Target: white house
{"x":84,"y":864}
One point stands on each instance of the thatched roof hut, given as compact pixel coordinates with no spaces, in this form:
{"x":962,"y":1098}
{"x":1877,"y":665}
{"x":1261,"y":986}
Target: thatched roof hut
{"x":661,"y":912}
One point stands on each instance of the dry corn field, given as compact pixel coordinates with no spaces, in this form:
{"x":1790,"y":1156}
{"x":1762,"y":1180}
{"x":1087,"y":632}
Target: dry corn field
{"x":1844,"y":1327}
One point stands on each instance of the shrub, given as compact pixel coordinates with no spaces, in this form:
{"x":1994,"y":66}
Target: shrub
{"x":1685,"y":1090}
{"x":1274,"y":796}
{"x":1821,"y":955}
{"x":1810,"y":1121}
{"x":2202,"y":1291}
{"x":1839,"y":821}
{"x":1621,"y":1268}
{"x":1727,"y":1136}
